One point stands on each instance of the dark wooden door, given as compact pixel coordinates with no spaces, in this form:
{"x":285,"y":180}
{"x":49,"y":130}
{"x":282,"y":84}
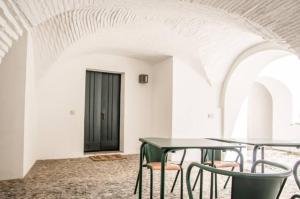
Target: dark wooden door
{"x":102,"y":111}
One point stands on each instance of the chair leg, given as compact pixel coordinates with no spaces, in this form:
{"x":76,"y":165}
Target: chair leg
{"x":228,"y":178}
{"x":151,"y":183}
{"x":137,"y":183}
{"x":201,"y":184}
{"x":225,"y":185}
{"x":211,"y":186}
{"x":174,"y":183}
{"x":197,"y":178}
{"x":282,"y":185}
{"x":216,"y":186}
{"x":181,"y":184}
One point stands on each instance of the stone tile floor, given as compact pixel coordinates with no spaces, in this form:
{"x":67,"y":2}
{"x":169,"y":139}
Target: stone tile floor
{"x":83,"y":178}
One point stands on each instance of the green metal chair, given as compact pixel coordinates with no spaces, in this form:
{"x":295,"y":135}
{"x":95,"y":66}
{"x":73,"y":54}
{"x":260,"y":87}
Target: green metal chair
{"x":219,"y":164}
{"x":153,"y":162}
{"x":248,"y":185}
{"x":295,"y":172}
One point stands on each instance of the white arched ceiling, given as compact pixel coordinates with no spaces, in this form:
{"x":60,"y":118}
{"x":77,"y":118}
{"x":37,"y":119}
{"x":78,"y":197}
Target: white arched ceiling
{"x":10,"y":26}
{"x":275,"y":16}
{"x":201,"y":33}
{"x":221,"y":29}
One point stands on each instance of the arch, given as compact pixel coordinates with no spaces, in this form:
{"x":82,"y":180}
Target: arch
{"x":260,"y":47}
{"x":282,"y":108}
{"x":243,"y":73}
{"x":268,"y":114}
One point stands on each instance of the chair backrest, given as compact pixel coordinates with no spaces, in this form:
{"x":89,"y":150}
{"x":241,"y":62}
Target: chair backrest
{"x":152,"y":153}
{"x":217,"y":154}
{"x":249,"y":185}
{"x":258,"y":187}
{"x":295,"y":172}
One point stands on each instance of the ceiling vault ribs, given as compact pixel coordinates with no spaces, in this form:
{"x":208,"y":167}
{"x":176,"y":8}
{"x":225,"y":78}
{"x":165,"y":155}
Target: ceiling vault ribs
{"x":66,"y":21}
{"x":22,"y":17}
{"x":10,"y":28}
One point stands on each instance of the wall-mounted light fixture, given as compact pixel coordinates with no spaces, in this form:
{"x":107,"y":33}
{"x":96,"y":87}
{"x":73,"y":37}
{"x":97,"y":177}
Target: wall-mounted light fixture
{"x":143,"y":78}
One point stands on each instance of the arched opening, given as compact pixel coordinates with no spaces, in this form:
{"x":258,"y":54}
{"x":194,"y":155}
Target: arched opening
{"x":287,"y":70}
{"x":266,"y":103}
{"x":260,"y":112}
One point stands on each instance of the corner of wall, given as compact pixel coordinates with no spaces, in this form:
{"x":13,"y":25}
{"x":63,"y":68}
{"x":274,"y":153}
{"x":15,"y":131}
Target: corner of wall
{"x":29,"y":153}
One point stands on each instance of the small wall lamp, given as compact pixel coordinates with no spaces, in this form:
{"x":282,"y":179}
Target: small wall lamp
{"x":143,"y":79}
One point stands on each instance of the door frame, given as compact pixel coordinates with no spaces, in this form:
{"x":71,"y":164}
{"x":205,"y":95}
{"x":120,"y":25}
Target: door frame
{"x":121,"y":119}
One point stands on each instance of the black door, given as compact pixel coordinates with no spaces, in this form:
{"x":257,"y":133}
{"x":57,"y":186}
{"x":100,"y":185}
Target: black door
{"x":102,"y":111}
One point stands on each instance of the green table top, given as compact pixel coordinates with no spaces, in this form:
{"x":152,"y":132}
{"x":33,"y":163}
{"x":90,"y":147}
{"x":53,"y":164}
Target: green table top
{"x":178,"y":143}
{"x":260,"y":141}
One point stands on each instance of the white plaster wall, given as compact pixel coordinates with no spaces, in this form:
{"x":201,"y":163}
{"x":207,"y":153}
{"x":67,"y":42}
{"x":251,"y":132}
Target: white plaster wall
{"x":260,"y":112}
{"x":12,"y":89}
{"x":176,"y":102}
{"x":282,"y":110}
{"x":62,"y":89}
{"x":162,"y":98}
{"x":193,"y":101}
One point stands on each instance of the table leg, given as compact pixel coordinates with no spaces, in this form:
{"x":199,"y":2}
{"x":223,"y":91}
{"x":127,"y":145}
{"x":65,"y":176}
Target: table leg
{"x":201,"y":176}
{"x":241,"y":158}
{"x":256,"y":147}
{"x":212,"y":176}
{"x":162,"y":174}
{"x":262,"y":157}
{"x":141,"y":170}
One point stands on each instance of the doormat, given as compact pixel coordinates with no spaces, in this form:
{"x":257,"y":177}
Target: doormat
{"x":107,"y":157}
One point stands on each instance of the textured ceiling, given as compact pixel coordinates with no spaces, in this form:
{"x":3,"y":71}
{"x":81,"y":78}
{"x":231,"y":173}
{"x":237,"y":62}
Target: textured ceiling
{"x":213,"y":31}
{"x":10,"y":28}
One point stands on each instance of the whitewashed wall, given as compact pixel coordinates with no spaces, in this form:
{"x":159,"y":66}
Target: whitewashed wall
{"x":12,"y":97}
{"x":282,"y":110}
{"x":193,"y":101}
{"x":176,"y":102}
{"x":62,"y":90}
{"x":162,"y":82}
{"x":260,"y":112}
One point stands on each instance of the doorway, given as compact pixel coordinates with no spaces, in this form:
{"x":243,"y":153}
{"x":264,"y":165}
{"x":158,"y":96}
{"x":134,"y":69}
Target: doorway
{"x":102,"y":112}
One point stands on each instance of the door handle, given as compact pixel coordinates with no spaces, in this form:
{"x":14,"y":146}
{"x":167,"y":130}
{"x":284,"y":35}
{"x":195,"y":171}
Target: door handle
{"x":102,"y":116}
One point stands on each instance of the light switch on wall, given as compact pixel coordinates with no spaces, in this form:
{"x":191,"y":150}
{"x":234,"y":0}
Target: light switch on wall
{"x":72,"y":112}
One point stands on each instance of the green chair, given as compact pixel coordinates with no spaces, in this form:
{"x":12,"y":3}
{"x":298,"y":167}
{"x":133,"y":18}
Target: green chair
{"x":295,"y":172}
{"x":219,"y":164}
{"x":153,"y":162}
{"x":248,"y":185}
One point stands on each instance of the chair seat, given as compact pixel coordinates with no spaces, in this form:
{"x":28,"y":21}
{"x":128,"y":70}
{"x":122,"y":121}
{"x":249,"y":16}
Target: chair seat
{"x":168,"y":166}
{"x":223,"y":164}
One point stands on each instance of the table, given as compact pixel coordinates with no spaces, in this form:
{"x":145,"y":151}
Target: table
{"x":260,"y":143}
{"x":169,"y":144}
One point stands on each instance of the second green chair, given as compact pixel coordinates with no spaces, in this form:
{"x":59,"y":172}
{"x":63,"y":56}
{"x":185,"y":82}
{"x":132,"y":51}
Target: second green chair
{"x":153,"y":162}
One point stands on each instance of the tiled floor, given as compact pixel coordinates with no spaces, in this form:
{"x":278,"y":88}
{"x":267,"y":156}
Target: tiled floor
{"x":82,"y":178}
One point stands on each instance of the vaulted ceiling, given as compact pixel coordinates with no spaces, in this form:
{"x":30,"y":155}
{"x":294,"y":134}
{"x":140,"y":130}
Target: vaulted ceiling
{"x":10,"y":28}
{"x":212,"y":32}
